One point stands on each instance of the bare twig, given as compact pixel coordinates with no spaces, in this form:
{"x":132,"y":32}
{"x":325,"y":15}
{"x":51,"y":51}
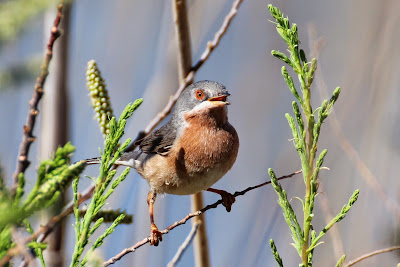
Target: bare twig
{"x":368,"y":255}
{"x":186,"y":218}
{"x":206,"y":54}
{"x":28,"y":138}
{"x":185,"y":244}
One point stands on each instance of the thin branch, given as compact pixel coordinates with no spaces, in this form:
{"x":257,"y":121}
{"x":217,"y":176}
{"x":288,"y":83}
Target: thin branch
{"x":211,"y":45}
{"x":368,"y":255}
{"x":28,"y":138}
{"x":184,"y":245}
{"x":186,"y":218}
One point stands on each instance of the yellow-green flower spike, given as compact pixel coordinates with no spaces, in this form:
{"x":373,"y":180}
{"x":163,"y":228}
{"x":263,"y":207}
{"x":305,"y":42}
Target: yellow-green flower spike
{"x":99,"y":96}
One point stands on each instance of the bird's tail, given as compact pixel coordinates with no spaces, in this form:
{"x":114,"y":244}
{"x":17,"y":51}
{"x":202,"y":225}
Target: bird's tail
{"x":93,"y":161}
{"x":129,"y":159}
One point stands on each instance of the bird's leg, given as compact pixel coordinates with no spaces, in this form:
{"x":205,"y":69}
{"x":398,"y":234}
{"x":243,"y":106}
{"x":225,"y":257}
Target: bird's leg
{"x":227,"y":198}
{"x":155,"y":234}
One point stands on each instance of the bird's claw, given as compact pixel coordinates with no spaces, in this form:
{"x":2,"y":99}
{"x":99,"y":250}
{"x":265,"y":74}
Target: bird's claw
{"x":155,"y":235}
{"x":227,"y":200}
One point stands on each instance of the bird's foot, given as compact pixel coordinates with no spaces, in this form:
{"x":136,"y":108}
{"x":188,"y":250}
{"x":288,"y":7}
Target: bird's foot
{"x":227,"y":200}
{"x":155,"y":235}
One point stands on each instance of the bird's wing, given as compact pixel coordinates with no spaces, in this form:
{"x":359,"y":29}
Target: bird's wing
{"x":160,"y":141}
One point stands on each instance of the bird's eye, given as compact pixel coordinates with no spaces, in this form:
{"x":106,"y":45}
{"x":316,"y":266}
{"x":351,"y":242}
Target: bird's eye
{"x":199,"y":94}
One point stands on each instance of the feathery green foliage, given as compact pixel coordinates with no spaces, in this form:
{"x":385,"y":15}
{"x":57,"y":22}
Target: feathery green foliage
{"x":37,"y":246}
{"x":54,"y":176}
{"x":341,"y":261}
{"x":104,"y":187}
{"x":275,"y":253}
{"x":306,"y":128}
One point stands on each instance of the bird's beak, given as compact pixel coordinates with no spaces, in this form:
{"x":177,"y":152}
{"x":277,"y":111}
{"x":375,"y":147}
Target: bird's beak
{"x":221,"y":97}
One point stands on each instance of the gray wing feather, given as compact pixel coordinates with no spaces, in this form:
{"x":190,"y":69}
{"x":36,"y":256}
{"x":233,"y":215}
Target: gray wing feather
{"x":160,"y":141}
{"x":157,"y":142}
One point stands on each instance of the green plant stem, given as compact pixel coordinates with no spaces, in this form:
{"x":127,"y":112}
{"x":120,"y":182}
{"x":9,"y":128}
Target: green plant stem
{"x":306,"y":134}
{"x":310,"y":155}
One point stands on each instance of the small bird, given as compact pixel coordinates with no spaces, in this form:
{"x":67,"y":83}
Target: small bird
{"x":190,"y":152}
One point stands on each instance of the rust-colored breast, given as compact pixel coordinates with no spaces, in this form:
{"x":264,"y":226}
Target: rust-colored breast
{"x":208,"y":142}
{"x":205,"y":150}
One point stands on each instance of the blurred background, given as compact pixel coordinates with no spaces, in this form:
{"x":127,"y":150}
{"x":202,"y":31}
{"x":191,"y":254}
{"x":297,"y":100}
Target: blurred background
{"x":133,"y":42}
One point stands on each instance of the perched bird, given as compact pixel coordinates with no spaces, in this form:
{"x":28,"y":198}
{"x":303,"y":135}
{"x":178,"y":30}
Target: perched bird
{"x":190,"y":152}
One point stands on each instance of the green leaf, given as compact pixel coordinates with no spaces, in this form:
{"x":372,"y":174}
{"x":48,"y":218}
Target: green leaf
{"x":303,"y":56}
{"x":275,"y":253}
{"x":346,"y":208}
{"x":341,"y":261}
{"x":290,"y":84}
{"x":288,"y":213}
{"x":282,"y":57}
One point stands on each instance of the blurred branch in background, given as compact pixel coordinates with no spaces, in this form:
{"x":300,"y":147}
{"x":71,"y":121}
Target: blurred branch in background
{"x":188,"y":217}
{"x":184,"y":60}
{"x":54,"y":125}
{"x":368,"y":255}
{"x":316,"y":45}
{"x":185,"y":244}
{"x":182,"y":30}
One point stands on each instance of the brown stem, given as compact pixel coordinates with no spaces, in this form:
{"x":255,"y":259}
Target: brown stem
{"x":183,"y":38}
{"x":28,"y":138}
{"x":368,"y":255}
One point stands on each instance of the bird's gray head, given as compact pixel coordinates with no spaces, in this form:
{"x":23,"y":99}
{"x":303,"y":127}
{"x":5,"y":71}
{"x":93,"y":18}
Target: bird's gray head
{"x":199,"y":95}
